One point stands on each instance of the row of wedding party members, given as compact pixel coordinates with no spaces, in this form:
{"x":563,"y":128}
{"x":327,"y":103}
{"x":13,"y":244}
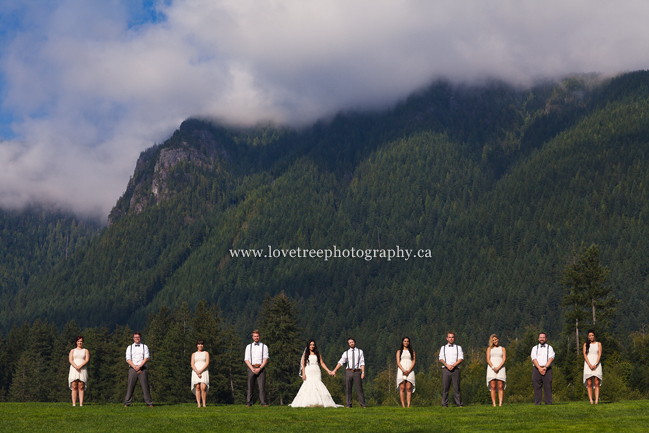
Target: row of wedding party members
{"x":313,"y":392}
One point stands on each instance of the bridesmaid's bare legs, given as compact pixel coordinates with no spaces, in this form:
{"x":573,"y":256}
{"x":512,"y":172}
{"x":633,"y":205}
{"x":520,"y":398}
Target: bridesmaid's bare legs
{"x":501,"y":392}
{"x":198,"y":394}
{"x":493,"y":385}
{"x":409,"y":392}
{"x":74,"y":392}
{"x":204,"y":393}
{"x":82,"y":388}
{"x":589,"y":387}
{"x":402,"y":393}
{"x":596,"y":390}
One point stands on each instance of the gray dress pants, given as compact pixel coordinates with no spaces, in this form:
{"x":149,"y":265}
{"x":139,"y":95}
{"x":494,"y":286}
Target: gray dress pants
{"x":133,"y":377}
{"x":447,"y":378}
{"x":261,"y":383}
{"x":542,"y":384}
{"x":355,"y":377}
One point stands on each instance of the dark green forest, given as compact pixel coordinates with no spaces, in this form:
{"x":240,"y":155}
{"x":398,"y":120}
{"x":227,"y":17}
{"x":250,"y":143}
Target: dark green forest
{"x":34,"y":363}
{"x":500,"y":183}
{"x":33,"y":241}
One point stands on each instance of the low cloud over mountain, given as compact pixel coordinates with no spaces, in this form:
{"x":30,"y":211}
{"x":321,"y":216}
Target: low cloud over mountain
{"x":86,"y":86}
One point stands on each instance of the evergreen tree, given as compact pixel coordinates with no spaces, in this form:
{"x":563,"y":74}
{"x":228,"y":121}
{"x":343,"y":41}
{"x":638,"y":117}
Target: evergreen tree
{"x":587,"y":295}
{"x":117,"y":368}
{"x":233,"y":366}
{"x":278,"y":326}
{"x":574,"y":298}
{"x":26,"y":380}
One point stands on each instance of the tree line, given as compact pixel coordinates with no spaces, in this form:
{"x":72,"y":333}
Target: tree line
{"x":34,"y":359}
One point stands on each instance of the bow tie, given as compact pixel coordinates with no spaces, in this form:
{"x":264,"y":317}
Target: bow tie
{"x":542,"y":346}
{"x":137,"y":345}
{"x":256,"y":344}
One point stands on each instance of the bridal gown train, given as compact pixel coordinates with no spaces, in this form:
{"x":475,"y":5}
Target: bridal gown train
{"x":313,"y":393}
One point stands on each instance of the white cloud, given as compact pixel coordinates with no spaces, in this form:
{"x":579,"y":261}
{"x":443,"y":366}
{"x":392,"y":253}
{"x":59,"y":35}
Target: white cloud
{"x":88,"y":93}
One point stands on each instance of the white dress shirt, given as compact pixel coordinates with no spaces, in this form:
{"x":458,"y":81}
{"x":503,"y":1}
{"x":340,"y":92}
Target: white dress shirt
{"x":354,"y":358}
{"x":450,"y":354}
{"x":137,"y":353}
{"x":256,"y":353}
{"x":542,"y":353}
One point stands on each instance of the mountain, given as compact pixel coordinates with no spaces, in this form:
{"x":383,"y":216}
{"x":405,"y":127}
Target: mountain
{"x":496,"y":185}
{"x":33,"y":241}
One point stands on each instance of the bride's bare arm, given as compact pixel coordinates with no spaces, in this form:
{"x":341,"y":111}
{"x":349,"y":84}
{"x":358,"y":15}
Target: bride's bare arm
{"x":322,"y":363}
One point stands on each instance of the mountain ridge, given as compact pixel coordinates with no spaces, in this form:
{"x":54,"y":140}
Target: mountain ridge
{"x":498,"y":182}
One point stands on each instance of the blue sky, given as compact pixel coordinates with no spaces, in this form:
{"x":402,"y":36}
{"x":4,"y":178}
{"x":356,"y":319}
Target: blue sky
{"x":85,"y":86}
{"x":17,"y":18}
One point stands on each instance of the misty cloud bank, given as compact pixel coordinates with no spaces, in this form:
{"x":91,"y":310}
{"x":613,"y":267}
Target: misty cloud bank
{"x":87,"y":91}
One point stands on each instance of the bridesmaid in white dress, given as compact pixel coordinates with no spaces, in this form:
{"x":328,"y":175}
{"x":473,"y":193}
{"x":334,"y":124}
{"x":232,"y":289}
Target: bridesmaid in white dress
{"x":78,"y":376}
{"x":313,"y":393}
{"x":496,"y":374}
{"x":200,"y":375}
{"x":592,"y":366}
{"x":405,"y":375}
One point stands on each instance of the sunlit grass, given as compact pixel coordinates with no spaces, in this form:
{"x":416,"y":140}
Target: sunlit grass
{"x":625,"y":416}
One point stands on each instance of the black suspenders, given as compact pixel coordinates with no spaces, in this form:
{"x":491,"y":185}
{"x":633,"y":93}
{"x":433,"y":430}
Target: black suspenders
{"x":547,"y":353}
{"x":262,"y":352}
{"x":131,"y":349}
{"x":457,"y":353}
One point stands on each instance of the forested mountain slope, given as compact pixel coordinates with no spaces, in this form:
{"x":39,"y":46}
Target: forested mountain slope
{"x":33,"y":241}
{"x":498,"y":183}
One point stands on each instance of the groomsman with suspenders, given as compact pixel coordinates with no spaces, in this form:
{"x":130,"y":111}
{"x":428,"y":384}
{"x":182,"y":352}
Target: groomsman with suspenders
{"x":542,"y":357}
{"x":256,"y":358}
{"x":451,"y":356}
{"x":355,"y":372}
{"x":137,"y":355}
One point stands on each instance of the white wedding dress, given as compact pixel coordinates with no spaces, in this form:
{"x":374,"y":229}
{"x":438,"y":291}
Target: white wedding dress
{"x":313,"y":393}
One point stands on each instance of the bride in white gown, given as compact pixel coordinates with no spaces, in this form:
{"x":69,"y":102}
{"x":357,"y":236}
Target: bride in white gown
{"x":313,"y":393}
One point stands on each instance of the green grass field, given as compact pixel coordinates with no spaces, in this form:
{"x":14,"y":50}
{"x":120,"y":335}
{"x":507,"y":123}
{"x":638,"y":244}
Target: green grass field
{"x":628,"y":416}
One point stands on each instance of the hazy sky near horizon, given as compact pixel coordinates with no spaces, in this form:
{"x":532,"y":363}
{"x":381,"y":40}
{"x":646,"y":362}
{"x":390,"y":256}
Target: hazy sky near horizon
{"x":85,"y":86}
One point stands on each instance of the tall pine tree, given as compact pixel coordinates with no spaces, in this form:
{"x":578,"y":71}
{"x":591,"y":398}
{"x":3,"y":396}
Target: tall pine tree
{"x":280,"y":331}
{"x":588,"y":298}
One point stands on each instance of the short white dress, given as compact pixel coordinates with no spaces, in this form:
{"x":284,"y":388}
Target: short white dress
{"x":200,"y":359}
{"x":406,"y":363}
{"x":78,"y":357}
{"x":593,"y":352}
{"x":496,"y":359}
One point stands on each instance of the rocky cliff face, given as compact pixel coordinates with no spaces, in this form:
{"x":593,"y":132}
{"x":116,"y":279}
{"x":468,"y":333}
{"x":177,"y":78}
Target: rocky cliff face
{"x":149,"y":184}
